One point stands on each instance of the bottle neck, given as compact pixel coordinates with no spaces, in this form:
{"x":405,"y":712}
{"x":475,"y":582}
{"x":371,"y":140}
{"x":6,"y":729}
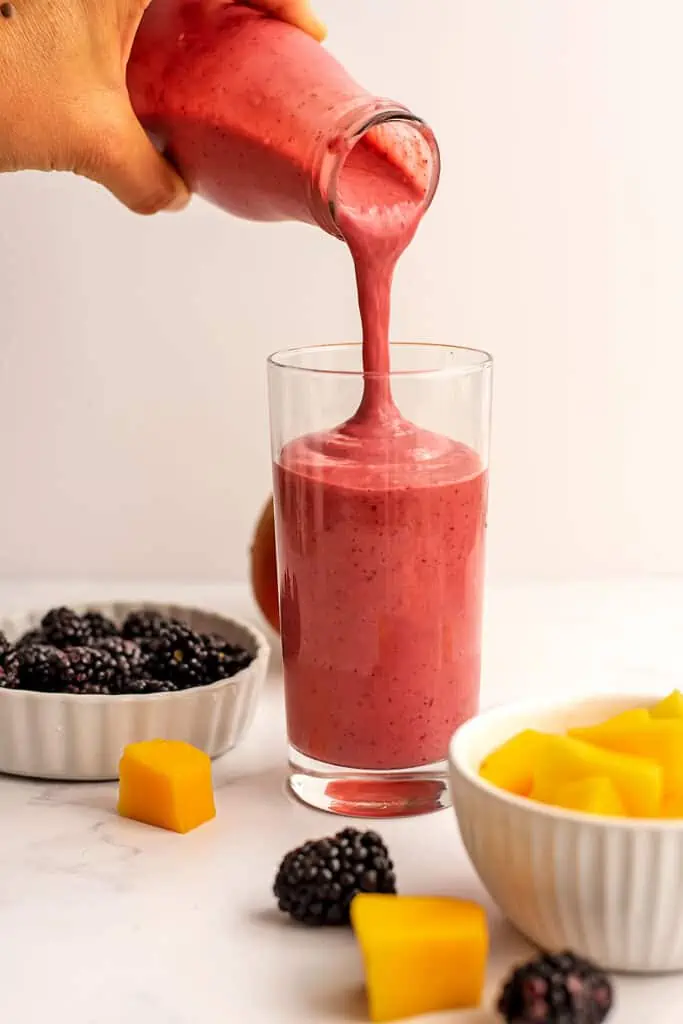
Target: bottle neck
{"x":404,"y":140}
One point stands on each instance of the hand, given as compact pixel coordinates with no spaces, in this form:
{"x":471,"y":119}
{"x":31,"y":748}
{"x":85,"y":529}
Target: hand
{"x":64,"y":105}
{"x":297,"y":12}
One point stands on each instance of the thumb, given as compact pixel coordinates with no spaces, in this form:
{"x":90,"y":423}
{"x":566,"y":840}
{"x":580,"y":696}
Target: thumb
{"x":126,"y":162}
{"x":299,"y":13}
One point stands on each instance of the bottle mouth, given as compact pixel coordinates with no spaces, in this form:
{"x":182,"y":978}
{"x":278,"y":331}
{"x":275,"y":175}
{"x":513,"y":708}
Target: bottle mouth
{"x":399,"y":156}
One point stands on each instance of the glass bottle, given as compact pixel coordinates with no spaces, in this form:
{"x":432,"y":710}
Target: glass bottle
{"x":263,"y":121}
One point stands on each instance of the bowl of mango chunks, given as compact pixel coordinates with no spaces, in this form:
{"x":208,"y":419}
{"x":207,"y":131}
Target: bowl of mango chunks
{"x":572,"y":815}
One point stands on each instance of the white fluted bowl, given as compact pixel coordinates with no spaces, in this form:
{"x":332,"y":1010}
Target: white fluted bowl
{"x":609,"y":889}
{"x":78,"y":738}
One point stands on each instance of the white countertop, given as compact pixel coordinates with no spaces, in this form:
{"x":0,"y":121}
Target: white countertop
{"x":105,"y":921}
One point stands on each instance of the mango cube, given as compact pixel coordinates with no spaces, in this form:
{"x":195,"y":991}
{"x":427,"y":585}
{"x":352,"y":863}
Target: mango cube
{"x":672,"y":806}
{"x":670,"y":707}
{"x":166,"y":783}
{"x":421,"y":954}
{"x":592,"y":795}
{"x":660,"y":740}
{"x":632,"y":719}
{"x":562,"y":759}
{"x":511,"y":766}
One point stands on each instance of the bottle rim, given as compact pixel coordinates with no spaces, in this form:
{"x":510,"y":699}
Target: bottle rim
{"x":332,"y":154}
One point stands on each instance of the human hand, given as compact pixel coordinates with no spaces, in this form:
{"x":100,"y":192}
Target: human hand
{"x":297,"y":12}
{"x":64,"y":104}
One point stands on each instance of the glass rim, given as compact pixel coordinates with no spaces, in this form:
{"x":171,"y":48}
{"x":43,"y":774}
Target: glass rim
{"x":479,"y":361}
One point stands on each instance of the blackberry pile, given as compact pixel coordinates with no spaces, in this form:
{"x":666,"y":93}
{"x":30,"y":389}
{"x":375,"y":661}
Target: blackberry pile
{"x":91,"y":654}
{"x":316,"y":883}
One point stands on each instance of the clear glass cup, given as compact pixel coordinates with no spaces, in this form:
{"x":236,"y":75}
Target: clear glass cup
{"x":380,"y":545}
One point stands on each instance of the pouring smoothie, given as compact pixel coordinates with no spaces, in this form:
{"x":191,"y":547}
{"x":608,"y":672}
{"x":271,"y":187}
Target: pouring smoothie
{"x":381,"y":532}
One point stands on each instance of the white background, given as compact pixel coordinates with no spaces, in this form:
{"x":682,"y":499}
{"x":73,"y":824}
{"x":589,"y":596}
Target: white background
{"x":132,"y":351}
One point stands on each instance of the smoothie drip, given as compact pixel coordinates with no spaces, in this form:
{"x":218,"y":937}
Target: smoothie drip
{"x":379,"y":205}
{"x":379,"y":209}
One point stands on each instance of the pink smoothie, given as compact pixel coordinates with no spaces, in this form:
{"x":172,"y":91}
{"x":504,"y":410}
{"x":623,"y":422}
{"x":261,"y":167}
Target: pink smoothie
{"x":381,"y":539}
{"x":380,"y":523}
{"x":381,"y":584}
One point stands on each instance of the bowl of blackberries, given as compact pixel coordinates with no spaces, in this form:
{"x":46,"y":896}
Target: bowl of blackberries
{"x":78,"y":684}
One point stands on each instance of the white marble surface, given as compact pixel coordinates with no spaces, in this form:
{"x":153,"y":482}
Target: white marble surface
{"x":105,"y":921}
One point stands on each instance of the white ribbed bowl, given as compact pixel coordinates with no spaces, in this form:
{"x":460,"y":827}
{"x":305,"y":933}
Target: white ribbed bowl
{"x":80,"y":738}
{"x":607,"y":888}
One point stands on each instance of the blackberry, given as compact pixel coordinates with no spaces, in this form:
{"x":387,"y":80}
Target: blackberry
{"x":33,"y":636}
{"x":5,"y":647}
{"x":134,"y":685}
{"x":5,"y":654}
{"x":178,"y":655}
{"x":98,"y":627}
{"x":130,"y":661}
{"x":120,"y":647}
{"x":143,"y":685}
{"x":224,"y":659}
{"x":38,"y":667}
{"x":316,"y":882}
{"x":93,"y":671}
{"x":145,"y":624}
{"x":559,"y":989}
{"x":89,"y":688}
{"x":63,"y":627}
{"x":158,"y":686}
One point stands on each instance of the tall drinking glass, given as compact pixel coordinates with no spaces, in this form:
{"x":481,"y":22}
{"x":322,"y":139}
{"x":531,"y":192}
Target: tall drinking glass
{"x":380,"y":526}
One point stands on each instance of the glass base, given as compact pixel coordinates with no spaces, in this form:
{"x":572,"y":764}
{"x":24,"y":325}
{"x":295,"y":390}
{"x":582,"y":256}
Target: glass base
{"x":360,"y":793}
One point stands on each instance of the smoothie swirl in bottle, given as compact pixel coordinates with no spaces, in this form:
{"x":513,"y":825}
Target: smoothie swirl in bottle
{"x":380,"y":522}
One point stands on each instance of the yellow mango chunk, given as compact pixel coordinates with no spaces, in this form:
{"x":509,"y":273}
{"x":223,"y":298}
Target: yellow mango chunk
{"x":669,"y":707}
{"x":632,"y":719}
{"x":562,"y":759}
{"x":166,"y":783}
{"x":660,"y":740}
{"x":421,"y":954}
{"x":672,"y":806}
{"x":511,"y":766}
{"x":592,"y":795}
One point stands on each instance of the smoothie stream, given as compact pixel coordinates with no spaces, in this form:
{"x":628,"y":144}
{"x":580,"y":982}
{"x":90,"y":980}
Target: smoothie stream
{"x":380,"y":540}
{"x":380,"y":523}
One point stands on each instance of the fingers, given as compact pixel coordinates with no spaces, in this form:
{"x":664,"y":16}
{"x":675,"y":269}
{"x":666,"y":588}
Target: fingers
{"x":299,"y":13}
{"x":123,"y":159}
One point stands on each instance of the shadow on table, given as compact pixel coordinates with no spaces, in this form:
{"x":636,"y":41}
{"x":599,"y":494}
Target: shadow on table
{"x":100,"y":796}
{"x":331,"y":1000}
